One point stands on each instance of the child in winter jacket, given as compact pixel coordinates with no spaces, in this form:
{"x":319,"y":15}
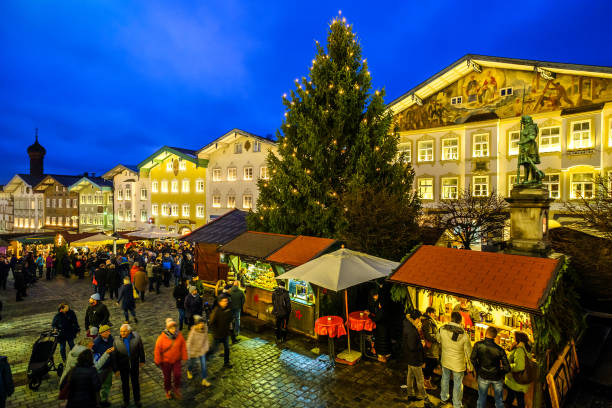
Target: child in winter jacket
{"x":197,"y":347}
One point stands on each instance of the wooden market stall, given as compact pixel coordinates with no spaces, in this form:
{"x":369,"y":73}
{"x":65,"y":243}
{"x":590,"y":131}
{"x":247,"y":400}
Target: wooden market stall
{"x":207,"y":239}
{"x":488,"y":289}
{"x":258,"y":257}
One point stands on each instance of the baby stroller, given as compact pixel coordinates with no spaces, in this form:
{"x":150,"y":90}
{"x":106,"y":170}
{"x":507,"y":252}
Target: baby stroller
{"x":41,"y":360}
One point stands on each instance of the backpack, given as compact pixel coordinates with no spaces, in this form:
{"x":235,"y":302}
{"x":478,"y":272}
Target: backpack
{"x":528,"y":374}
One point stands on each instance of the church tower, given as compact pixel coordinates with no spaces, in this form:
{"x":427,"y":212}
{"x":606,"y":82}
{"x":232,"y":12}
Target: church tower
{"x":37,"y":155}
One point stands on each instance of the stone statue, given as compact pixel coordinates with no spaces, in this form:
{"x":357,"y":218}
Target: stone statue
{"x":528,"y":153}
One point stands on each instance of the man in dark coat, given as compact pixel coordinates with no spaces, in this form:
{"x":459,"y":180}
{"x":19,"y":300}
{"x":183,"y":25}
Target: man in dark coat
{"x":6,"y":381}
{"x":126,"y":300}
{"x":65,"y":322}
{"x":220,"y":324}
{"x":193,"y":305}
{"x":20,"y":281}
{"x":84,"y":382}
{"x":4,"y":272}
{"x":377,"y":313}
{"x":432,"y":346}
{"x":281,"y":309}
{"x":101,"y":345}
{"x":415,"y":357}
{"x":128,"y":357}
{"x":491,"y":365}
{"x":97,"y":313}
{"x":180,"y":293}
{"x":237,"y":300}
{"x":101,"y":276}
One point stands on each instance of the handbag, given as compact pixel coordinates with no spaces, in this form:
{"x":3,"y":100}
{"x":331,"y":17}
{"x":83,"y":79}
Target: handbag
{"x":65,"y":386}
{"x":528,"y":374}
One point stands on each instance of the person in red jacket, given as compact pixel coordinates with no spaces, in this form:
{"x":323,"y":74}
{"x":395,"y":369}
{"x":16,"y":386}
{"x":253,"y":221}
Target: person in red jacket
{"x":170,"y":350}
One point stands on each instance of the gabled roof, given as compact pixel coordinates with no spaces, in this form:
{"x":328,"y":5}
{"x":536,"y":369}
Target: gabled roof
{"x":97,"y":182}
{"x":163,"y":152}
{"x":231,"y":135}
{"x":49,"y":179}
{"x":27,"y":179}
{"x":515,"y":281}
{"x":118,"y":169}
{"x":301,"y":250}
{"x":221,"y":230}
{"x":258,"y":245}
{"x":470,"y":62}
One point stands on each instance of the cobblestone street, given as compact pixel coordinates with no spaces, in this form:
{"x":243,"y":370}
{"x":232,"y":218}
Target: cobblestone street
{"x":264,"y":375}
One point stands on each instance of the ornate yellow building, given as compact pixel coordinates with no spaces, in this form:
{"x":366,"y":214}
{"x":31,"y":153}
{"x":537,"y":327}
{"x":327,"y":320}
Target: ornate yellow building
{"x":460,"y":128}
{"x":178,"y":189}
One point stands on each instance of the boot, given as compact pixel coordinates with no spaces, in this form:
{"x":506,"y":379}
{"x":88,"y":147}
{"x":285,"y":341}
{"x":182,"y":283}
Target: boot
{"x":429,"y":385}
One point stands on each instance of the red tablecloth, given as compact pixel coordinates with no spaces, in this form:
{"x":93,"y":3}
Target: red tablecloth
{"x":358,"y":322}
{"x":331,"y":326}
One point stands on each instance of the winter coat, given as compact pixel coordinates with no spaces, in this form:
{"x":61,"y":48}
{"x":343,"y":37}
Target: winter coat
{"x":126,"y":297}
{"x":517,"y":359}
{"x":456,"y":347}
{"x":188,"y":268}
{"x":49,"y":262}
{"x":281,"y":304}
{"x":177,"y":268}
{"x":133,"y":272}
{"x":489,"y":360}
{"x":101,"y":276}
{"x":193,"y":305}
{"x":73,"y":355}
{"x":84,"y":387}
{"x":6,"y":378}
{"x":67,"y":325}
{"x":180,"y":293}
{"x":121,"y":359}
{"x":411,"y":345}
{"x":237,"y":298}
{"x":96,"y":315}
{"x":220,"y":322}
{"x":114,"y":278}
{"x":150,"y":272}
{"x":170,"y":348}
{"x":99,"y":349}
{"x":430,"y":331}
{"x":197,"y":342}
{"x":140,"y":281}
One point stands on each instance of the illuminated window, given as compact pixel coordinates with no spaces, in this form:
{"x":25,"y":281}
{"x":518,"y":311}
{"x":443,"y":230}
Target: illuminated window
{"x":128,"y":215}
{"x":247,"y":201}
{"x":481,"y":145}
{"x":60,"y":202}
{"x":154,"y":209}
{"x":551,"y":181}
{"x":182,"y":165}
{"x":143,"y":194}
{"x":513,"y":142}
{"x":185,"y":188}
{"x":48,"y":220}
{"x":143,"y":216}
{"x":175,"y":211}
{"x":53,"y":203}
{"x":407,"y":150}
{"x":450,"y":149}
{"x":120,"y":215}
{"x":481,"y":186}
{"x":256,"y":146}
{"x":53,"y":221}
{"x":248,"y":173}
{"x":185,"y":210}
{"x":450,"y":188}
{"x":74,"y":203}
{"x":231,"y":174}
{"x":426,"y":188}
{"x":199,"y":186}
{"x":60,"y":220}
{"x":155,"y":186}
{"x":457,"y":100}
{"x":164,"y":186}
{"x":216,"y":176}
{"x":264,"y":173}
{"x":165,"y":210}
{"x":582,"y":185}
{"x":550,"y":139}
{"x":128,"y":193}
{"x":200,"y":211}
{"x":174,"y":185}
{"x":48,"y":202}
{"x":231,"y":201}
{"x":425,"y":151}
{"x":581,"y":135}
{"x":119,"y":195}
{"x":216,"y":201}
{"x":169,"y":165}
{"x":511,"y":182}
{"x":74,"y":220}
{"x":237,"y":148}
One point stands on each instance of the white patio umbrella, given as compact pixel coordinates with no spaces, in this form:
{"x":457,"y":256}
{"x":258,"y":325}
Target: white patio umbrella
{"x":340,"y":270}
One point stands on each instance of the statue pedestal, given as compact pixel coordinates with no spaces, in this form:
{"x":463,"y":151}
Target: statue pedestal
{"x":529,"y":208}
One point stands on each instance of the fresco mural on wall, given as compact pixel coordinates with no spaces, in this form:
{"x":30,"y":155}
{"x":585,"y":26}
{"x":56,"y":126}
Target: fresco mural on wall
{"x":500,"y":92}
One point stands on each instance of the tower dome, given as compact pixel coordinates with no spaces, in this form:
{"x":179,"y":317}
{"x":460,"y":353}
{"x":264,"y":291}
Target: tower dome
{"x":37,"y":155}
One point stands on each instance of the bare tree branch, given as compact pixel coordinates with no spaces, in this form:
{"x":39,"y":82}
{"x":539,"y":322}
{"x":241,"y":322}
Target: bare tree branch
{"x":597,"y":210}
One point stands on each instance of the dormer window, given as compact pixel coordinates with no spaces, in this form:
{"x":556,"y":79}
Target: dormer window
{"x":457,"y":100}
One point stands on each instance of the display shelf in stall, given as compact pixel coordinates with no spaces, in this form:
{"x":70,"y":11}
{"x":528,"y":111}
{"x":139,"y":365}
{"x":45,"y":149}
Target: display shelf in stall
{"x":492,"y":289}
{"x":305,"y":302}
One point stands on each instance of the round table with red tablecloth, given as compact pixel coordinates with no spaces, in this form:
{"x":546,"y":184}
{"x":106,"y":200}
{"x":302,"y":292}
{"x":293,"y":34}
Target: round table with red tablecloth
{"x":359,"y":321}
{"x":330,"y":326}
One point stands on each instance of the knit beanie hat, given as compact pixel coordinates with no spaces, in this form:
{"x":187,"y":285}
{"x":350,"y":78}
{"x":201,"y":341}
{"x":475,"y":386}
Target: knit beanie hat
{"x":192,"y":288}
{"x":197,"y":319}
{"x":170,"y":322}
{"x":95,"y":296}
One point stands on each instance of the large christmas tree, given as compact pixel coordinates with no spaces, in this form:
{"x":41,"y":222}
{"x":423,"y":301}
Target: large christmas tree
{"x":336,"y":141}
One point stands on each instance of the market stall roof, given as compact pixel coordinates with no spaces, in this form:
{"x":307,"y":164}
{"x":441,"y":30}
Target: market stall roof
{"x":511,"y":280}
{"x":220,"y":230}
{"x":341,"y":269}
{"x":36,"y":239}
{"x":70,"y":238}
{"x":256,"y":244}
{"x":301,"y":250}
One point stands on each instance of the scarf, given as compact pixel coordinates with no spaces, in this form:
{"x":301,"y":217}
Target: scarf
{"x":170,"y":335}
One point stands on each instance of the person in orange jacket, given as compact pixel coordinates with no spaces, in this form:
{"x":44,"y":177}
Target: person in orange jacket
{"x":170,"y":350}
{"x":133,"y":271}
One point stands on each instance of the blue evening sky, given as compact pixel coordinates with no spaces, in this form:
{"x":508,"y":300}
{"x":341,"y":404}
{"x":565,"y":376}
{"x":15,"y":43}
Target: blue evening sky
{"x":109,"y":82}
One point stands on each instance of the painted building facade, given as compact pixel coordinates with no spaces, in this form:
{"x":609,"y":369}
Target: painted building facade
{"x":178,"y":189}
{"x":132,"y":198}
{"x":460,"y":129}
{"x":95,"y":204}
{"x":236,"y":161}
{"x":6,"y":212}
{"x":28,"y":208}
{"x":61,"y":205}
